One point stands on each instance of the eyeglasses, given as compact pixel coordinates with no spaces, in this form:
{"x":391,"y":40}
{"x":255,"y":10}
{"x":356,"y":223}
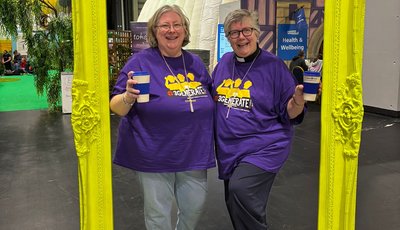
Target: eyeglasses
{"x":245,"y":31}
{"x":167,"y":27}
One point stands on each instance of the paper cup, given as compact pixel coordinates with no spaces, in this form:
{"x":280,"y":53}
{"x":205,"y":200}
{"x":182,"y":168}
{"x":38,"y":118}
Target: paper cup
{"x":311,"y":82}
{"x":143,"y":85}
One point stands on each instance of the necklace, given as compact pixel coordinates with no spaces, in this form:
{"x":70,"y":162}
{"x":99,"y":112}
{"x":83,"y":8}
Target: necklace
{"x":189,"y":98}
{"x":235,"y":94}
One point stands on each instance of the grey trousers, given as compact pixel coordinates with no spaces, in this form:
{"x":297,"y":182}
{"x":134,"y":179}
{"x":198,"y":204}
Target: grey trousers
{"x":246,"y":196}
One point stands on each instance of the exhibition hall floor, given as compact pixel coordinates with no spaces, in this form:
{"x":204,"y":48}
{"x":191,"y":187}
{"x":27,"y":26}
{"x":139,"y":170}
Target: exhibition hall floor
{"x":39,"y":181}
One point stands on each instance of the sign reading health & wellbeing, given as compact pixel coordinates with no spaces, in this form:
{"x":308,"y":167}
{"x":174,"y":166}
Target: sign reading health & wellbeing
{"x":290,"y":41}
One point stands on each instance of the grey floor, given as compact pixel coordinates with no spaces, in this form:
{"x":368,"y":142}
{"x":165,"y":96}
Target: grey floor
{"x":39,"y":185}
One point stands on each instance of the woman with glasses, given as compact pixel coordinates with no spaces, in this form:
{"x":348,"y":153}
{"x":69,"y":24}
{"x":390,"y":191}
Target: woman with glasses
{"x":167,"y":141}
{"x":257,"y":104}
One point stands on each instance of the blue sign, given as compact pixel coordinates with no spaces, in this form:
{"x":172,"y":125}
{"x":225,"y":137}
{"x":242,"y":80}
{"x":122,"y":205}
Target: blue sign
{"x":223,"y":43}
{"x":291,"y":41}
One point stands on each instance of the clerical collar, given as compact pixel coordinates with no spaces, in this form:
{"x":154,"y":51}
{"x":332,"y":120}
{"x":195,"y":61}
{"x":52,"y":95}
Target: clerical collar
{"x":248,"y":58}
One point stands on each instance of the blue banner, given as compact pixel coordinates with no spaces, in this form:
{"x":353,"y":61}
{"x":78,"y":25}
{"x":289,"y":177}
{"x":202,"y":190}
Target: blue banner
{"x":300,"y":18}
{"x":290,"y":41}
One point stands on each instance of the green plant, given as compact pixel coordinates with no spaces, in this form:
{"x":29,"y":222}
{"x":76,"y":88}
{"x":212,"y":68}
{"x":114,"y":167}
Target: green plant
{"x":48,"y":38}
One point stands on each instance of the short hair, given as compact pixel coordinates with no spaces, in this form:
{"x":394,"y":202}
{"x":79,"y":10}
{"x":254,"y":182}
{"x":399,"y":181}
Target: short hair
{"x":301,"y":53}
{"x":238,"y":16}
{"x":153,"y":22}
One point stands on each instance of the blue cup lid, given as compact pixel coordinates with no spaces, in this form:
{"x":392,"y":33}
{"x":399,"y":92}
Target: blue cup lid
{"x":139,"y":73}
{"x":311,"y":73}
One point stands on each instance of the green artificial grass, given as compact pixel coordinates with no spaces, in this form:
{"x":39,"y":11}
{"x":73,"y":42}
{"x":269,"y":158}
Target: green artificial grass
{"x":18,"y":92}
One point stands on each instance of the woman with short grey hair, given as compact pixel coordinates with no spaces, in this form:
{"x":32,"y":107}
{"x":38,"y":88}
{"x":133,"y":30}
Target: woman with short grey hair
{"x":257,"y":104}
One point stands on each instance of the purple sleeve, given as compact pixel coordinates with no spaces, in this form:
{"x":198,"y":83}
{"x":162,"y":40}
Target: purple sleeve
{"x":286,"y":85}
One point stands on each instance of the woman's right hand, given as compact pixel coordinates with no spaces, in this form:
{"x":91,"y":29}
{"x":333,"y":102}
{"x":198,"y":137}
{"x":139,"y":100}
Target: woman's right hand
{"x":131,"y":94}
{"x":122,"y":103}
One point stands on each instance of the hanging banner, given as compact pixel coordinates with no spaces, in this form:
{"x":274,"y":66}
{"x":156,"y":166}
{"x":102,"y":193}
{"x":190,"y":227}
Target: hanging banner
{"x":290,"y":41}
{"x":139,"y":36}
{"x":300,"y":18}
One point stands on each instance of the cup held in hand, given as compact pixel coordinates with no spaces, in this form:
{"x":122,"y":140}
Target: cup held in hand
{"x":311,"y":81}
{"x":143,"y":85}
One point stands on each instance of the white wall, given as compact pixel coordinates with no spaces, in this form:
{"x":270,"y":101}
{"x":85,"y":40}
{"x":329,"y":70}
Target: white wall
{"x":381,"y":63}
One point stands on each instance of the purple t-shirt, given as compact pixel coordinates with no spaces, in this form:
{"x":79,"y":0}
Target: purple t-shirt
{"x":163,"y":135}
{"x":252,"y":123}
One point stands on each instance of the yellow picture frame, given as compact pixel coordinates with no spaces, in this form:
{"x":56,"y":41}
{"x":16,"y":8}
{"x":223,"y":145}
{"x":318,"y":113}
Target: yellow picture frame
{"x":341,"y":113}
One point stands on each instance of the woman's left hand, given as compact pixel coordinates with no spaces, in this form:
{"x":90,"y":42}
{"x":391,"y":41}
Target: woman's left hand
{"x":298,"y":96}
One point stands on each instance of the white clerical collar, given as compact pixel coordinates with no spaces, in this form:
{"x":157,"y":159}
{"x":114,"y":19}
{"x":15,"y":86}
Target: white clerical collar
{"x":249,"y":58}
{"x":240,"y":59}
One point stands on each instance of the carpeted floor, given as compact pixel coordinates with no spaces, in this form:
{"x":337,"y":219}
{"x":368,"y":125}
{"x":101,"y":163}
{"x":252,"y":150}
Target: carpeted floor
{"x":18,"y":92}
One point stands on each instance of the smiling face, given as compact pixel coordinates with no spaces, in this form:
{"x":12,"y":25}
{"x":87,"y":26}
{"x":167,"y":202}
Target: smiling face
{"x":170,"y":39}
{"x":243,"y":46}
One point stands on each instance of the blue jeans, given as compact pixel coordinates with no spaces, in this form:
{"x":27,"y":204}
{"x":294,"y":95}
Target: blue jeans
{"x":189,"y":189}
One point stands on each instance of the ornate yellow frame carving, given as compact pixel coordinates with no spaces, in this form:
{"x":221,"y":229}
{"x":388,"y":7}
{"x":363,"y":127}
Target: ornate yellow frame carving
{"x":342,"y":112}
{"x":90,"y":116}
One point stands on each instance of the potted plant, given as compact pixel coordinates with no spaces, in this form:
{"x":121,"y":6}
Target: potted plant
{"x":46,"y":26}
